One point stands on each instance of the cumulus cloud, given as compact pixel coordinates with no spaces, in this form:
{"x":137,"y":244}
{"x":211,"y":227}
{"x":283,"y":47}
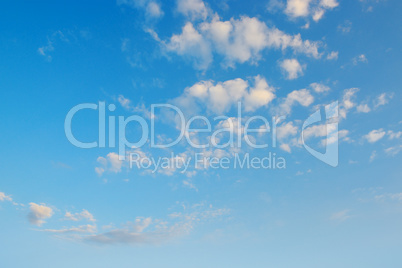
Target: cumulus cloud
{"x":111,"y":163}
{"x":237,"y":40}
{"x":38,"y":213}
{"x":292,"y":68}
{"x":302,"y":97}
{"x":305,"y":8}
{"x":190,"y":43}
{"x":319,"y":88}
{"x":375,"y":135}
{"x":194,"y":9}
{"x":220,"y":97}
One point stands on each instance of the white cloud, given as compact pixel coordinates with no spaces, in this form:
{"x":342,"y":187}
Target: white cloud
{"x":363,"y":108}
{"x":382,"y":99}
{"x":38,"y":213}
{"x":394,"y":135}
{"x":195,"y":9}
{"x":318,"y":131}
{"x":152,"y":8}
{"x":111,"y":163}
{"x":292,"y":68}
{"x":237,"y":40}
{"x":191,"y":43}
{"x":156,"y":231}
{"x":392,"y":151}
{"x":4,"y":197}
{"x":347,"y":101}
{"x":83,"y":215}
{"x":305,"y":8}
{"x":221,"y":96}
{"x":285,"y":147}
{"x":285,"y":130}
{"x":375,"y":135}
{"x":319,"y":88}
{"x":139,"y":108}
{"x":80,"y":229}
{"x":275,"y":5}
{"x":302,"y":97}
{"x":333,"y":55}
{"x":298,"y":8}
{"x":373,"y":156}
{"x":361,"y":58}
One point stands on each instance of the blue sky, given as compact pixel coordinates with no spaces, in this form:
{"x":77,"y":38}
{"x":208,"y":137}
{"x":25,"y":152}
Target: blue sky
{"x":64,"y":206}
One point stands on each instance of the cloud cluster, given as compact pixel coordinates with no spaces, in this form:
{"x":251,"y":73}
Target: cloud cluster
{"x":236,"y":40}
{"x":377,"y":134}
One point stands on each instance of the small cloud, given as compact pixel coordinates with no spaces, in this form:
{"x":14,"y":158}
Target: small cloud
{"x":4,"y":197}
{"x":373,"y":156}
{"x":285,"y":147}
{"x":333,"y":55}
{"x":375,"y":135}
{"x":340,"y":216}
{"x":194,"y":9}
{"x":38,"y":213}
{"x":363,"y":108}
{"x":383,"y":99}
{"x":361,"y":58}
{"x":345,"y":27}
{"x":292,"y":68}
{"x":83,"y":215}
{"x":152,"y":8}
{"x":188,"y":183}
{"x":275,"y":6}
{"x":319,"y":88}
{"x":392,"y":151}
